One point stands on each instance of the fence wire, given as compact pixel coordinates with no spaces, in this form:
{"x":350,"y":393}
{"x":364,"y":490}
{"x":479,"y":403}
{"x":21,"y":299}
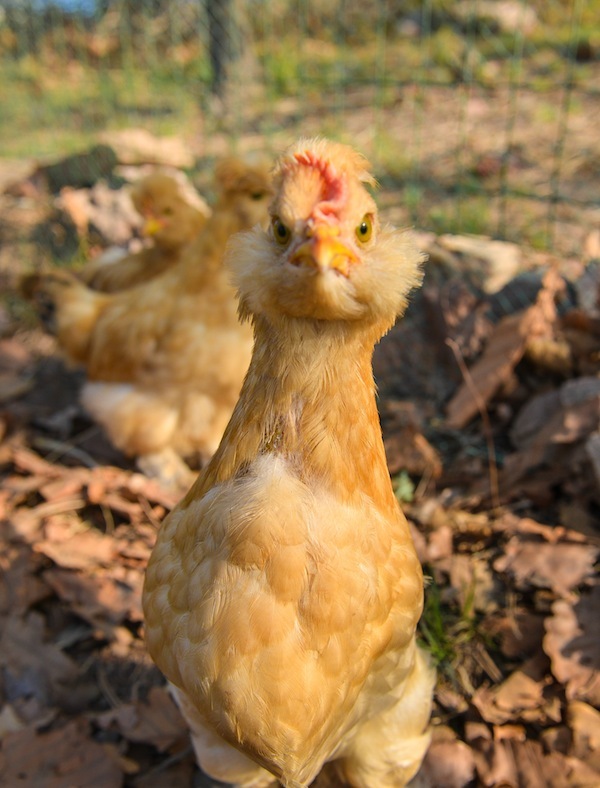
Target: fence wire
{"x":478,"y":115}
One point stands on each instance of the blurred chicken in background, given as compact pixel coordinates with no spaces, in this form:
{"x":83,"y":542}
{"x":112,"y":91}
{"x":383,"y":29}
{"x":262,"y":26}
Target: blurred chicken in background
{"x":165,"y":359}
{"x":173,"y":214}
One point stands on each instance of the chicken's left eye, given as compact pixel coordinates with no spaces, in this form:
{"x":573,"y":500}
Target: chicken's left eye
{"x":364,"y":231}
{"x":281,"y":233}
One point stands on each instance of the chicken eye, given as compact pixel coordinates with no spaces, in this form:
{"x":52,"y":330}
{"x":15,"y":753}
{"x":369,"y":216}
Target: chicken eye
{"x":257,"y":196}
{"x":281,"y":233}
{"x":364,"y":231}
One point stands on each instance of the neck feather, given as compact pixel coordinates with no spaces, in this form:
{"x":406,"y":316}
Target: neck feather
{"x":309,"y":395}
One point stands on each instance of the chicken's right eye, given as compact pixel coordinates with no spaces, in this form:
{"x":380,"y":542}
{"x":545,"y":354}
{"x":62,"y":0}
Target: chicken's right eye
{"x":281,"y":233}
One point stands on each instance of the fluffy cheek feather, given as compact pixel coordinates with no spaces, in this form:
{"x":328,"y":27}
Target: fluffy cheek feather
{"x":252,"y":261}
{"x":377,"y":289}
{"x":270,"y":287}
{"x":391,"y":270}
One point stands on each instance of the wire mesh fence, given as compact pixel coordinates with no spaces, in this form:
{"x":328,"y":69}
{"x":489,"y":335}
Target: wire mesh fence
{"x":479,"y":115}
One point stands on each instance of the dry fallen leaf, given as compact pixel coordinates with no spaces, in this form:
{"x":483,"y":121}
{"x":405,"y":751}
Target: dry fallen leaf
{"x":566,"y":428}
{"x":74,"y":546}
{"x":580,"y":775}
{"x":104,"y":600}
{"x":537,"y":769}
{"x":560,"y":567}
{"x":518,"y":692}
{"x":521,"y":633}
{"x":584,"y":722}
{"x":509,"y":700}
{"x":512,"y":763}
{"x":495,"y":764}
{"x":504,"y":350}
{"x":449,"y":763}
{"x":31,"y":665}
{"x":511,"y":524}
{"x":20,"y":584}
{"x":539,"y":410}
{"x":572,"y":642}
{"x":440,"y":544}
{"x":483,"y":700}
{"x":157,"y":721}
{"x":62,"y":758}
{"x":510,"y":731}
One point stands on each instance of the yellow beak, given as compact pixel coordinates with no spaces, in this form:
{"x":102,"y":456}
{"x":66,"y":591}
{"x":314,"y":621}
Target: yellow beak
{"x":152,"y":225}
{"x":324,"y":250}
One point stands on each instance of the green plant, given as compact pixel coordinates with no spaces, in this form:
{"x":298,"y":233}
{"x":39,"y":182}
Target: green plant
{"x":404,"y":488}
{"x":448,"y":630}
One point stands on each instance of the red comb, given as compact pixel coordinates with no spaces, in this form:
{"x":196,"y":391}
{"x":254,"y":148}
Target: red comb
{"x":334,"y":185}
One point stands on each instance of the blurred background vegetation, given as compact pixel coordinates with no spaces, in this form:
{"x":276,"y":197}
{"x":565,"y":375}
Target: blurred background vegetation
{"x":480,"y":116}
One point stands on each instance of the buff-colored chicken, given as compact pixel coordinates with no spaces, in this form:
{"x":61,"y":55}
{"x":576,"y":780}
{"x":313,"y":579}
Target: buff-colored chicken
{"x":165,"y":360}
{"x":173,"y":214}
{"x":282,"y":596}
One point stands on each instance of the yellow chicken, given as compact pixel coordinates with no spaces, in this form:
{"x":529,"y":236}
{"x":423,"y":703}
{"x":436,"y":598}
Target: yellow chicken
{"x":283,"y":593}
{"x":173,"y":216}
{"x":165,"y":360}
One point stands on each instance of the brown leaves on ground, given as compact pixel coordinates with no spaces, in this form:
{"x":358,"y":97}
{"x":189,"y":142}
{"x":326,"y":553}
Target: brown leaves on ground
{"x":511,"y":339}
{"x":512,"y":613}
{"x":509,"y":529}
{"x":78,"y":689}
{"x":561,"y":566}
{"x":65,"y":756}
{"x":572,"y":642}
{"x":156,"y":721}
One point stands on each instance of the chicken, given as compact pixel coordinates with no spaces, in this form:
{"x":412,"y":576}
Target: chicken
{"x":165,"y":360}
{"x":173,"y":216}
{"x":282,"y":596}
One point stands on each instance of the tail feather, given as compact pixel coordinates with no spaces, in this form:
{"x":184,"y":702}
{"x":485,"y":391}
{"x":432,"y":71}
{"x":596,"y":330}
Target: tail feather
{"x":66,"y":307}
{"x":37,"y":288}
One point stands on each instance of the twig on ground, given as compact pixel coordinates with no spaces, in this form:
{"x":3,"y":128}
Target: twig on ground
{"x":59,"y":449}
{"x":108,"y":692}
{"x":147,"y":509}
{"x":164,"y":765}
{"x":109,"y":520}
